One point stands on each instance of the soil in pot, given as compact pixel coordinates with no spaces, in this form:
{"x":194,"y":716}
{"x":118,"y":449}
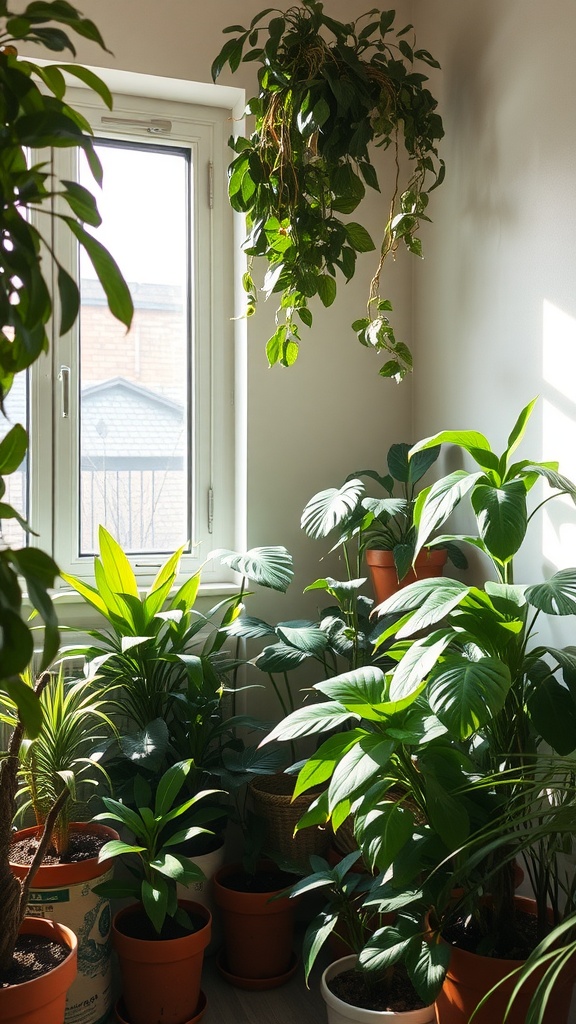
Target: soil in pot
{"x":263,"y":881}
{"x":40,"y":999}
{"x":395,"y":994}
{"x":137,"y":925}
{"x":62,"y":890}
{"x":34,"y":955}
{"x":465,"y":933}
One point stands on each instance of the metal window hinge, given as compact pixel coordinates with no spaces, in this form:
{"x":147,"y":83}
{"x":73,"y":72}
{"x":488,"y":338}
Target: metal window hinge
{"x":210,"y":509}
{"x":211,"y":185}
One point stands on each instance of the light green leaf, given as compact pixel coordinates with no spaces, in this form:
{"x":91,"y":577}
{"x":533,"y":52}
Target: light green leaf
{"x":330,"y":508}
{"x":466,"y":694}
{"x":556,"y":596}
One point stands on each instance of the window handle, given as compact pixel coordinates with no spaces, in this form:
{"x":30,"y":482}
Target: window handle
{"x":64,"y":378}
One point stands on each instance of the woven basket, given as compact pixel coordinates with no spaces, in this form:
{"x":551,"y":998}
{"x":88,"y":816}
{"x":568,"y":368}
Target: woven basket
{"x":272,"y":798}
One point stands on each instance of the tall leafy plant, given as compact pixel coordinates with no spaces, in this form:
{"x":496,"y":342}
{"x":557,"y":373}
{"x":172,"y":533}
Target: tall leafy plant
{"x":329,"y":93}
{"x":35,"y":117}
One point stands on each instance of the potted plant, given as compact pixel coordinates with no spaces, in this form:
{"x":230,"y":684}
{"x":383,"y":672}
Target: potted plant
{"x":59,"y":760}
{"x":382,"y":529}
{"x":36,"y":116}
{"x":160,"y":940}
{"x":469,"y":700}
{"x":329,"y":92}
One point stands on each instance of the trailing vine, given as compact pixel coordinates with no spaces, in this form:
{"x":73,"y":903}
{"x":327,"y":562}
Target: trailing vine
{"x":329,"y":94}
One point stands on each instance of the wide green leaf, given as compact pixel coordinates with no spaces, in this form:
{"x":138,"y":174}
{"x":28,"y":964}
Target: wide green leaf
{"x":556,"y":596}
{"x":439,"y":603}
{"x":502,"y":517}
{"x":108,"y":273}
{"x":312,"y":719}
{"x":119,"y":573}
{"x":268,"y":566}
{"x":418,"y":661}
{"x":552,"y":709}
{"x":384,"y":949}
{"x":427,"y":963}
{"x":330,"y":508}
{"x":320,"y":765}
{"x":13,"y":448}
{"x":356,"y":690}
{"x":440,"y":502}
{"x":28,"y":704}
{"x":467,"y":694}
{"x":304,"y":636}
{"x":467,"y":439}
{"x":155,"y":900}
{"x":357,"y":769}
{"x":389,"y":826}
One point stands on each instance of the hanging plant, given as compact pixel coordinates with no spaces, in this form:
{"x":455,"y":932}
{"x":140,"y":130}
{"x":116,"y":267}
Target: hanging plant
{"x":329,"y":94}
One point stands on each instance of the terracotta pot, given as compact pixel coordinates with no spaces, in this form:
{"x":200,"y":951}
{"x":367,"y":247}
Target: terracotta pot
{"x":161,"y":979}
{"x":258,"y":930}
{"x":470,"y":977}
{"x":429,"y":563}
{"x":43,"y":1000}
{"x":65,"y":892}
{"x":340,"y":1012}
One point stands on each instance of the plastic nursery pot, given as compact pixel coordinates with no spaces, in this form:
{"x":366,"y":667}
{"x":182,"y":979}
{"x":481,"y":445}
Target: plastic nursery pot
{"x":258,"y":930}
{"x":43,"y":1000}
{"x":340,"y":1012}
{"x":65,"y":892}
{"x":429,"y":563}
{"x":161,"y":977}
{"x":470,"y":977}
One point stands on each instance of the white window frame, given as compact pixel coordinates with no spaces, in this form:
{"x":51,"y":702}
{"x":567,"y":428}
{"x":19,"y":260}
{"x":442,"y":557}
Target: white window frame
{"x":218,"y":369}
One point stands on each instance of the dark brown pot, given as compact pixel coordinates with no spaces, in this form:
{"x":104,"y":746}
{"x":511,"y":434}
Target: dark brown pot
{"x":429,"y":563}
{"x":470,"y":977}
{"x":161,"y":979}
{"x":258,"y":930}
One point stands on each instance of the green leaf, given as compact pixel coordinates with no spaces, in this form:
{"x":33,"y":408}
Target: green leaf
{"x":470,"y":440}
{"x":553,"y":712}
{"x":502,"y":517}
{"x":519,"y":428}
{"x":310,"y":720}
{"x":357,"y":769}
{"x":155,"y":900}
{"x":90,"y":79}
{"x":326,"y":289}
{"x":557,"y":596}
{"x":268,"y":566}
{"x":28,"y":704}
{"x":437,"y":605}
{"x":119,"y":573}
{"x":388,"y":828}
{"x":359,"y":238}
{"x":466,"y":694}
{"x":169,"y":786}
{"x":316,"y":935}
{"x":427,"y":962}
{"x":304,"y":636}
{"x":418,"y":661}
{"x":440,"y":502}
{"x":330,"y":508}
{"x":319,"y":767}
{"x":13,"y":448}
{"x":108,"y":273}
{"x":384,"y":949}
{"x":15,"y":655}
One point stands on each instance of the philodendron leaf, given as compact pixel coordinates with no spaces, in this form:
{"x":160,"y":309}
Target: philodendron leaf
{"x":502,"y":517}
{"x":427,"y":962}
{"x":304,"y":636}
{"x":268,"y":566}
{"x":440,"y":501}
{"x":328,"y":509}
{"x":466,"y":694}
{"x":553,"y":712}
{"x":556,"y":596}
{"x":386,"y":948}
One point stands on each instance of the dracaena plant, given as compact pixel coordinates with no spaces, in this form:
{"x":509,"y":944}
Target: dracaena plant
{"x":329,"y":94}
{"x":61,"y":757}
{"x":35,"y":117}
{"x":155,"y":867}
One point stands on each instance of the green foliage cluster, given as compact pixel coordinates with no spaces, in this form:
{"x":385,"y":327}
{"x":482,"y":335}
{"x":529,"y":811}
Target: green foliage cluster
{"x":329,"y":92}
{"x":442,"y":763}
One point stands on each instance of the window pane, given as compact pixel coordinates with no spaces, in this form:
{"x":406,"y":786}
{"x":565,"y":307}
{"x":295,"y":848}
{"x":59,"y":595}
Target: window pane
{"x":134,"y":388}
{"x":16,"y":411}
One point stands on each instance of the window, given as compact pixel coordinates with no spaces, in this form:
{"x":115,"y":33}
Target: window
{"x":136,"y":431}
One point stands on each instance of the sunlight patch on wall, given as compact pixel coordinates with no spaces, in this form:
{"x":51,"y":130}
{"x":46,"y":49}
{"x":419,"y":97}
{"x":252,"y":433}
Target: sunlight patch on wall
{"x":559,"y":429}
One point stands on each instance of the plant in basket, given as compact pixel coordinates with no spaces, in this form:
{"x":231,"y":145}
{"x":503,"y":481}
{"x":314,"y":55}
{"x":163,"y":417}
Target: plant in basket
{"x":160,"y":940}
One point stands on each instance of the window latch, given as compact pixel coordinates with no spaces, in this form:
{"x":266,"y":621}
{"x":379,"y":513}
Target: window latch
{"x":64,"y":378}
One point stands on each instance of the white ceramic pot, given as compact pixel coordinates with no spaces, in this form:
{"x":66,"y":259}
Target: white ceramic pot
{"x":340,"y":1012}
{"x":203,"y":892}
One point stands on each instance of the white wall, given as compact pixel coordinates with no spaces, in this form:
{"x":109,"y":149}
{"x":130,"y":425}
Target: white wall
{"x":496,"y":299}
{"x":308,"y":427}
